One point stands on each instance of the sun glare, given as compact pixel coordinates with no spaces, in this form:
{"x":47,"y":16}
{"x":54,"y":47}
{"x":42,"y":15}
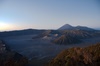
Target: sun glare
{"x":4,"y":26}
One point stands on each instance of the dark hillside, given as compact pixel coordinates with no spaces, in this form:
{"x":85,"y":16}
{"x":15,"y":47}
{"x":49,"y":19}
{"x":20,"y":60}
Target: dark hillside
{"x":11,"y":58}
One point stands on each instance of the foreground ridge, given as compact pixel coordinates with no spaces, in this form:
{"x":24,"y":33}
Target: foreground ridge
{"x":89,"y":56}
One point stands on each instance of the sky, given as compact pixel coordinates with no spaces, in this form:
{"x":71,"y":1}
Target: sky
{"x":48,"y":14}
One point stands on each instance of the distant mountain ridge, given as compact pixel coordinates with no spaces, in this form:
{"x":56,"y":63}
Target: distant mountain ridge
{"x":69,"y":27}
{"x":20,"y":32}
{"x":36,"y":31}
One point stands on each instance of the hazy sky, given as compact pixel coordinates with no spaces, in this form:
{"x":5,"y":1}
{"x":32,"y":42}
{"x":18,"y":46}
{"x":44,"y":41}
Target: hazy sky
{"x":48,"y":14}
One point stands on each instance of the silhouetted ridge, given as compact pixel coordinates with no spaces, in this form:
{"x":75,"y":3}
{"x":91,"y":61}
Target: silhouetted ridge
{"x":20,"y":32}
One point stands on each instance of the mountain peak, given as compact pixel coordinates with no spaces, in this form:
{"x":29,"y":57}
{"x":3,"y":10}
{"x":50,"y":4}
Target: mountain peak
{"x":66,"y":26}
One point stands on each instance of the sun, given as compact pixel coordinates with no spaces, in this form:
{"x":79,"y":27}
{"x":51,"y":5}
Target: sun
{"x":4,"y":26}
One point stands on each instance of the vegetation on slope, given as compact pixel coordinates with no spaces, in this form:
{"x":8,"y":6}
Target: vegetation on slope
{"x":89,"y":56}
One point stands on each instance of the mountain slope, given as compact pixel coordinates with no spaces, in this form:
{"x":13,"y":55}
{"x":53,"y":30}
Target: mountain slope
{"x":66,"y":39}
{"x":89,"y":56}
{"x":72,"y":36}
{"x":78,"y":33}
{"x":67,"y":36}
